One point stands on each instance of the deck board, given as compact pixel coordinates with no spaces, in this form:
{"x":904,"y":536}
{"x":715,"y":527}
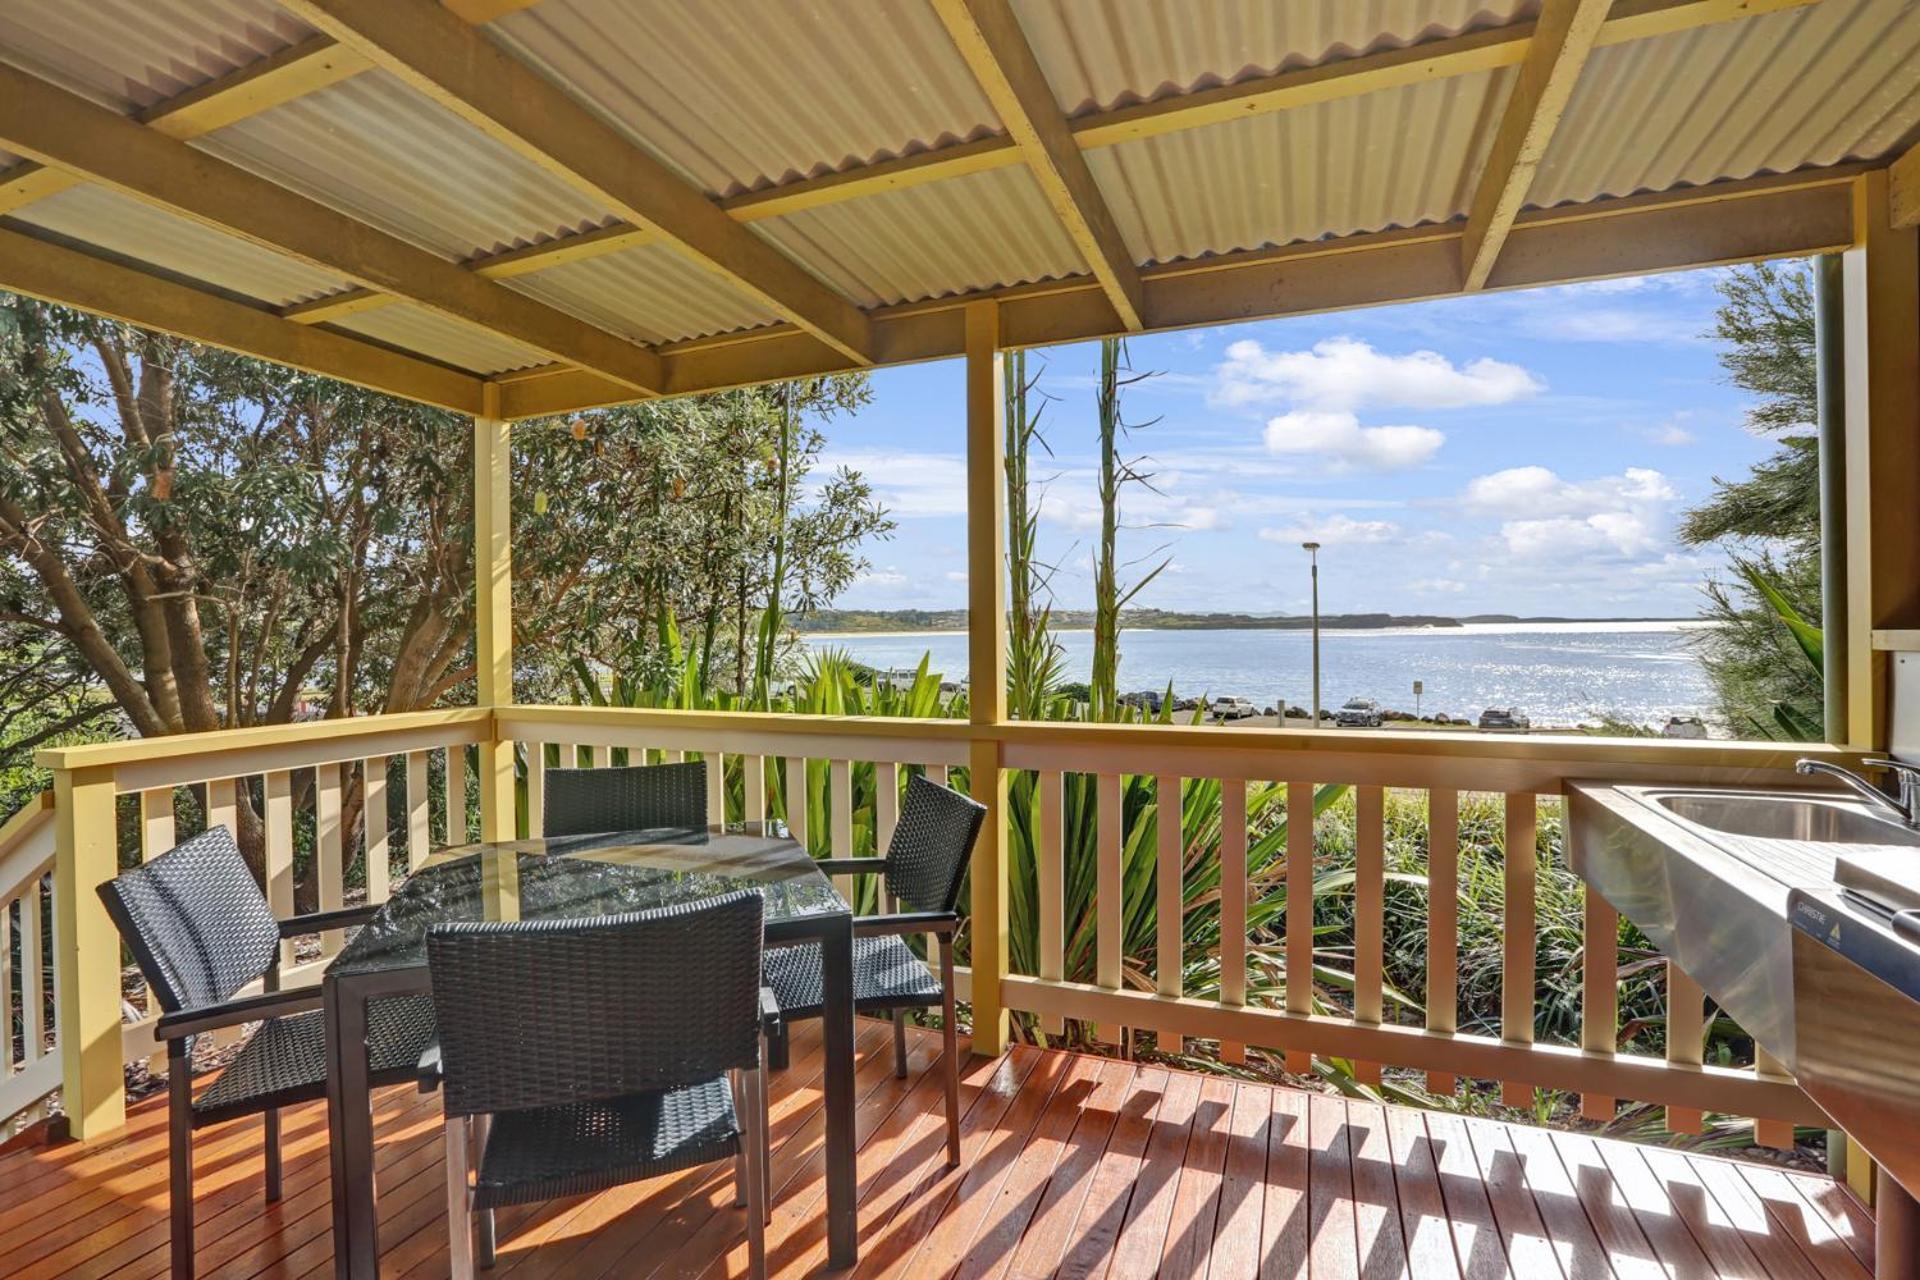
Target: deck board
{"x":1072,"y":1166}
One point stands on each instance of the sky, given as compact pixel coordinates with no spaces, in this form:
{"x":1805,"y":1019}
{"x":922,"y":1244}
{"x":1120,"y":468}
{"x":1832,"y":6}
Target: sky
{"x":1526,"y":453}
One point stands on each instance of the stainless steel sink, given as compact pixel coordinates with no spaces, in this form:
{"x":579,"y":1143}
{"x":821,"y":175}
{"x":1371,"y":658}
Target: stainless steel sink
{"x":1764,"y":815}
{"x":1705,"y":872}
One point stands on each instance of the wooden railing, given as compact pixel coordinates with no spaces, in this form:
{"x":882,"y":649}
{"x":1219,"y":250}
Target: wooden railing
{"x":28,"y":1070}
{"x":287,"y":784}
{"x":764,"y":763}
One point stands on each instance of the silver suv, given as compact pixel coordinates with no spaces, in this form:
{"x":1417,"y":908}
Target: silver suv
{"x":1359,"y":713}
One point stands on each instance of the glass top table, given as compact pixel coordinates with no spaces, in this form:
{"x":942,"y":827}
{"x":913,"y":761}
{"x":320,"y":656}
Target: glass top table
{"x":577,"y":877}
{"x":573,"y":877}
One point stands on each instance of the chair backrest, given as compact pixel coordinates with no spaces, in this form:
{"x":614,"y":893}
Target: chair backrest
{"x":195,"y":920}
{"x":542,"y":1013}
{"x":927,"y":857}
{"x":633,"y":798}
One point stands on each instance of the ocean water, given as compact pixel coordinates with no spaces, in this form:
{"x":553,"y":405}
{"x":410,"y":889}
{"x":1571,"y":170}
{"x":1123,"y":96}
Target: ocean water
{"x":1558,"y":673}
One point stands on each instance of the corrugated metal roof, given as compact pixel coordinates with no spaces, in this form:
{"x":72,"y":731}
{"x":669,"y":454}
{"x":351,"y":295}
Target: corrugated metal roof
{"x":1100,"y":54}
{"x":373,"y":148}
{"x":128,"y":228}
{"x":1392,"y":159}
{"x":130,"y":54}
{"x":755,"y":92}
{"x":442,"y":338}
{"x":986,"y":229}
{"x":652,"y":293}
{"x":1815,"y":86}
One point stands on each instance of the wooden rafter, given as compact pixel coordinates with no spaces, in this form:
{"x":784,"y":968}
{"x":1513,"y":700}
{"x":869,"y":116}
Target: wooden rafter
{"x":462,"y":70}
{"x":1903,"y":190}
{"x":1477,"y":51}
{"x":995,"y":49}
{"x":1563,"y":38}
{"x":65,"y":130}
{"x":56,"y":273}
{"x":299,"y":69}
{"x":1787,"y":215}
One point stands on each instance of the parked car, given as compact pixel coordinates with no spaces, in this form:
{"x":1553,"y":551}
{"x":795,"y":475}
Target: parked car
{"x":1233,"y":708}
{"x":1359,"y":713}
{"x":1684,"y":727}
{"x":1147,"y":700}
{"x":1507,"y":719}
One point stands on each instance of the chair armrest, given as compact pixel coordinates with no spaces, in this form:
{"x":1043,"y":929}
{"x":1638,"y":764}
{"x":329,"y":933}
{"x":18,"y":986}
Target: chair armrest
{"x":769,"y":1011}
{"x":232,"y":1013}
{"x":429,"y":1070}
{"x":906,"y":922}
{"x":851,"y":866}
{"x":319,"y":921}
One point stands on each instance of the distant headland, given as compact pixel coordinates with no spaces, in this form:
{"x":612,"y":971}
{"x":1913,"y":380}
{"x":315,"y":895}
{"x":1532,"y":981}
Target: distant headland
{"x":863,"y":620}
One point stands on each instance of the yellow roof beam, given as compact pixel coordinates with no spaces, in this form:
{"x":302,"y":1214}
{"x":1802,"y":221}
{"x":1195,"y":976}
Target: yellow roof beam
{"x":1563,"y":39}
{"x":995,"y":49}
{"x":444,"y":58}
{"x":296,"y":70}
{"x":64,"y":130}
{"x":1903,"y":190}
{"x":1788,"y":215}
{"x":1486,"y":50}
{"x":54,"y":273}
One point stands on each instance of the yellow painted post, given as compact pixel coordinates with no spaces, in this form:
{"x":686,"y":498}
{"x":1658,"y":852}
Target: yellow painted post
{"x":493,"y":605}
{"x":987,"y":666}
{"x":1880,"y":299}
{"x":86,"y":954}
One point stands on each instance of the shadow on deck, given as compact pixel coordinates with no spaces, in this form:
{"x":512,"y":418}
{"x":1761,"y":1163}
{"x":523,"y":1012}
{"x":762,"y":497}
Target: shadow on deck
{"x":1074,"y":1166}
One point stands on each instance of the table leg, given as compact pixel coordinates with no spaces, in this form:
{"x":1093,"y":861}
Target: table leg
{"x":836,"y":1023}
{"x":356,"y":1228}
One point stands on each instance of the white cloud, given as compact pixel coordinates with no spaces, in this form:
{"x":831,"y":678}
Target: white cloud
{"x":909,"y":485}
{"x":1338,"y":437}
{"x":1537,"y":491}
{"x":1071,"y":501}
{"x":1335,"y":530}
{"x":1548,"y":518}
{"x":956,"y":575}
{"x":1617,"y":533}
{"x":1437,"y":586}
{"x":1670,"y":434}
{"x":888,"y":577}
{"x":1348,"y":374}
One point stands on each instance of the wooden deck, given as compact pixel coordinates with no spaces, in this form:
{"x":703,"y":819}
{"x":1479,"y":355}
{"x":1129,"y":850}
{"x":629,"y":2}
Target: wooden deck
{"x":1074,"y":1166}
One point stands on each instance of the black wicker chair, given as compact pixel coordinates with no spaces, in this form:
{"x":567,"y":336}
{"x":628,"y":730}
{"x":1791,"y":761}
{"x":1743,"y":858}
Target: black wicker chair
{"x":200,"y":930}
{"x":578,"y":1055}
{"x":924,"y":866}
{"x":633,"y":798}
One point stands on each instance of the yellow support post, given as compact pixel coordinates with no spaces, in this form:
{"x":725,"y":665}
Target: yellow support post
{"x":987,"y":665}
{"x":493,"y":605}
{"x":1881,"y":369}
{"x":86,"y":956}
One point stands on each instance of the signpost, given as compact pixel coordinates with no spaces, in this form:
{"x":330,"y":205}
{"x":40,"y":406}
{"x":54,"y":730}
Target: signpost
{"x":1419,"y":687}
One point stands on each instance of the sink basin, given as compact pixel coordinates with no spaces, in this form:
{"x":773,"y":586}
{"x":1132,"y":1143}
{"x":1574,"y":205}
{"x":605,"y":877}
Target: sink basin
{"x":1705,"y":871}
{"x":1765,"y":816}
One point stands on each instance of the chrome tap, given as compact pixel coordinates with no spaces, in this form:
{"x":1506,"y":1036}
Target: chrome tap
{"x":1906,"y":807}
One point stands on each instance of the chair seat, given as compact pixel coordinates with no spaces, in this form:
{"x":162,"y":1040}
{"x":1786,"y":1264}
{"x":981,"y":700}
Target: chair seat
{"x":886,"y":975}
{"x":585,"y":1147}
{"x":285,"y":1061}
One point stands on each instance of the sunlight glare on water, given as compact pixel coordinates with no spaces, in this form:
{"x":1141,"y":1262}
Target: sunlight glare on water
{"x":1558,"y":673}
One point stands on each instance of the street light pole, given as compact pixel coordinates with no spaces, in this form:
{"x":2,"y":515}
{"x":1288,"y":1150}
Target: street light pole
{"x":1313,"y":559}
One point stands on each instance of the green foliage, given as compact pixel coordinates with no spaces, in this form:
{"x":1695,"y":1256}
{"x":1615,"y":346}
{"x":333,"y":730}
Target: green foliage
{"x":1764,"y":656}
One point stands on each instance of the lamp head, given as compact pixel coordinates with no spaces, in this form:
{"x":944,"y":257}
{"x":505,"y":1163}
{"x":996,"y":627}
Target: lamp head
{"x":1309,"y":546}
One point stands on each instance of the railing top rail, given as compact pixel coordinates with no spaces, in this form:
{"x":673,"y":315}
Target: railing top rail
{"x":31,"y":815}
{"x":141,"y":763}
{"x":26,"y":846}
{"x":772,"y":722}
{"x":1426,"y":743}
